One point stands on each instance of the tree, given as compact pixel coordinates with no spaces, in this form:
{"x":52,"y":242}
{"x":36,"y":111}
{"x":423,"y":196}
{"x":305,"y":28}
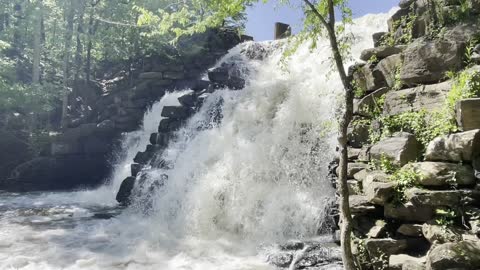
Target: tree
{"x":319,"y":18}
{"x":69,"y":15}
{"x":37,"y":43}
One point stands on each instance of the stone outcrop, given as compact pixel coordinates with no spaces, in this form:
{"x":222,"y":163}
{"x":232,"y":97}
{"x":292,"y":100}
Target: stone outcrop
{"x":456,"y":147}
{"x":468,"y":114}
{"x":460,"y":255}
{"x":400,"y":149}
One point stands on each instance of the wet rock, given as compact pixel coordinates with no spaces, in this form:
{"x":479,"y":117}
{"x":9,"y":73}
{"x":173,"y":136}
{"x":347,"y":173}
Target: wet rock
{"x":317,"y":255}
{"x":135,"y":168}
{"x":441,"y":234}
{"x":400,"y":149}
{"x":188,"y":100}
{"x":142,"y":157}
{"x":293,"y":245}
{"x":457,"y":147}
{"x":281,"y":259}
{"x":461,"y":255}
{"x":150,"y":75}
{"x":177,"y":112}
{"x":125,"y":191}
{"x":468,"y":114}
{"x":169,"y":124}
{"x":426,"y":61}
{"x":442,"y":174}
{"x":381,"y":52}
{"x":427,"y":97}
{"x":153,"y":138}
{"x":173,"y":75}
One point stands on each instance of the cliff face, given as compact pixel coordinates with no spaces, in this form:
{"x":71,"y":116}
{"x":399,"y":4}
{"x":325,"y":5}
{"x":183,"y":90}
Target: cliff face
{"x":415,"y":140}
{"x":80,"y":156}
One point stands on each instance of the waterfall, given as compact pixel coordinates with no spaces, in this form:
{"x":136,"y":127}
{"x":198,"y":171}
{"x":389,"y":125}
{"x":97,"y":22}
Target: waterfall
{"x":246,"y":172}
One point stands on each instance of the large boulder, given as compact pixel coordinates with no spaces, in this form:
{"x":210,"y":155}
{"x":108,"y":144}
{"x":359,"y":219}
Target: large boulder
{"x":440,"y":234}
{"x":460,"y":255}
{"x":427,"y":97}
{"x":426,"y":61}
{"x":358,"y":133}
{"x":377,"y":187}
{"x":437,"y":174}
{"x":367,"y":78}
{"x":437,"y":198}
{"x":468,"y":114}
{"x":390,"y":68}
{"x":457,"y":147}
{"x":409,"y":212}
{"x":400,"y":149}
{"x":381,"y":52}
{"x":406,"y":262}
{"x":125,"y":191}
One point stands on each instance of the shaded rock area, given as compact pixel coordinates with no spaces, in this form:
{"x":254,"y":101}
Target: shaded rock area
{"x":80,"y":155}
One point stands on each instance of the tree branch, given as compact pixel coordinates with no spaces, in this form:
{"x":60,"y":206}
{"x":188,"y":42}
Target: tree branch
{"x":317,"y":13}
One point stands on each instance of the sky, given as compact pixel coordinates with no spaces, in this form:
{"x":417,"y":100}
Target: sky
{"x":262,"y":17}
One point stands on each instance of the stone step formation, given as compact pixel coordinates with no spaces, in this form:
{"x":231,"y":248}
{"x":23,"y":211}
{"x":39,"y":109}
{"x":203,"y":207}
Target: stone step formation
{"x":174,"y":118}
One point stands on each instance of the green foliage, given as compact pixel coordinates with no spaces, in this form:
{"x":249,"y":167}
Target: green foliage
{"x":404,"y":178}
{"x":465,"y":85}
{"x":358,"y":91}
{"x":398,"y":81}
{"x":445,"y":217}
{"x":384,"y":164}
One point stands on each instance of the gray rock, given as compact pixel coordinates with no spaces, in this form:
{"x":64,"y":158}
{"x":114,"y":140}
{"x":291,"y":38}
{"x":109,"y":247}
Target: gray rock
{"x":381,"y":52}
{"x":450,"y":198}
{"x":367,"y":104}
{"x":13,"y":152}
{"x":411,"y":230}
{"x":379,"y":230}
{"x":367,"y":78}
{"x":409,"y":212}
{"x":169,"y":124}
{"x":390,"y":67}
{"x":353,"y":187}
{"x":358,"y":134}
{"x":396,"y":17}
{"x":378,"y":192}
{"x":177,"y":112}
{"x":378,"y":38}
{"x":428,"y":97}
{"x":381,"y":248}
{"x":440,"y":234}
{"x":174,"y":75}
{"x":360,"y":205}
{"x":135,"y":168}
{"x":406,"y":262}
{"x":468,"y":114}
{"x":353,"y":168}
{"x":125,"y":191}
{"x":405,"y":3}
{"x":457,"y":147}
{"x":426,"y":61}
{"x":283,"y":259}
{"x":400,"y":149}
{"x":461,"y":255}
{"x":437,"y":174}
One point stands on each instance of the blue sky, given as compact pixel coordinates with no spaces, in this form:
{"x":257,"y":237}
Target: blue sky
{"x":262,"y":17}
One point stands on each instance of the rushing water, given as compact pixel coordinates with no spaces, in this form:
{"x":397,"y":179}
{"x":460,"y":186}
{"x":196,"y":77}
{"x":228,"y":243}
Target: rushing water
{"x":237,"y":187}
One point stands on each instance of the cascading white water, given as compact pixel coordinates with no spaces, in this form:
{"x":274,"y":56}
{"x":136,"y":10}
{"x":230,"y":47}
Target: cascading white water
{"x":254,"y":179}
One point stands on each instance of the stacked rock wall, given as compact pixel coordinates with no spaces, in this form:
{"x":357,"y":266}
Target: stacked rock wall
{"x":414,"y":157}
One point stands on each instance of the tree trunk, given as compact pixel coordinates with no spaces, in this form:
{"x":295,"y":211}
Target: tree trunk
{"x":37,"y":50}
{"x":345,"y":213}
{"x":17,"y":37}
{"x":92,"y":29}
{"x":78,"y":54}
{"x":70,"y":13}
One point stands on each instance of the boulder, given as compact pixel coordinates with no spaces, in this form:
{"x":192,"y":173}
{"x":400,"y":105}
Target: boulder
{"x":390,"y":68}
{"x":169,"y":124}
{"x":135,"y":168}
{"x":457,"y":147}
{"x":379,"y":230}
{"x":150,"y":76}
{"x":353,"y":168}
{"x":427,"y":97}
{"x":360,"y":205}
{"x":176,"y":112}
{"x":378,"y":38}
{"x":460,"y":255}
{"x":409,"y":212}
{"x":441,"y":234}
{"x":400,"y":149}
{"x":173,"y":75}
{"x":437,"y":174}
{"x":367,"y":78}
{"x":188,"y":100}
{"x":218,"y":75}
{"x":411,"y":230}
{"x":381,"y":248}
{"x":378,"y":192}
{"x":396,"y":18}
{"x":468,"y":114}
{"x":366,"y":105}
{"x":426,"y":61}
{"x":406,"y":262}
{"x":435,"y":198}
{"x":381,"y":52}
{"x":358,"y":134}
{"x":125,"y":191}
{"x":353,"y":187}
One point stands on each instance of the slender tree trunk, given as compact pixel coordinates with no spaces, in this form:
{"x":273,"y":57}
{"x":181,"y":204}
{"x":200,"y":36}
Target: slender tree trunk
{"x":17,"y":36}
{"x":79,"y":52}
{"x":37,"y":50}
{"x":345,"y":213}
{"x":92,"y":29}
{"x":70,"y":14}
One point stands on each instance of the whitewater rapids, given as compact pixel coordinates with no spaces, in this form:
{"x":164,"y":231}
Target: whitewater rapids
{"x":253,"y":180}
